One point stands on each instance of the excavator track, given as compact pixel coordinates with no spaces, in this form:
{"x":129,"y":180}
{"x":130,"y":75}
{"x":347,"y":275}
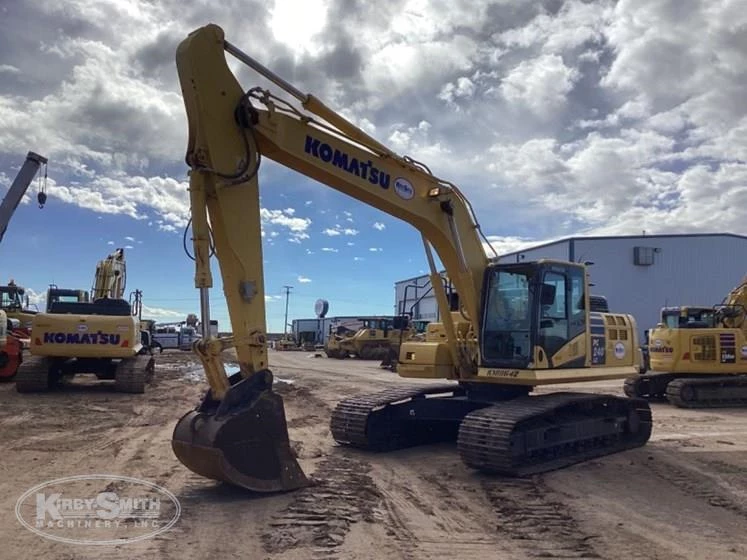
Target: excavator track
{"x":134,"y":373}
{"x":383,"y":421}
{"x":651,"y":386}
{"x":518,"y":437}
{"x":33,"y":375}
{"x":724,"y":391}
{"x":530,"y":435}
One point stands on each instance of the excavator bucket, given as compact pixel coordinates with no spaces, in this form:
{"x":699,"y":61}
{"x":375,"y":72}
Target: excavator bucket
{"x":242,"y":440}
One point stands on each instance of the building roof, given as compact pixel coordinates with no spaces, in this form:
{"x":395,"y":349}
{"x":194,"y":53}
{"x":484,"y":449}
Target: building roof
{"x":590,"y":238}
{"x":605,"y":237}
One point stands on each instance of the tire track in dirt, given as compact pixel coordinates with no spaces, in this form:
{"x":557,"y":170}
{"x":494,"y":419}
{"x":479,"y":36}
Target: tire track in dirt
{"x":320,"y":516}
{"x":703,"y":484}
{"x":431,"y":509}
{"x":541,"y":525}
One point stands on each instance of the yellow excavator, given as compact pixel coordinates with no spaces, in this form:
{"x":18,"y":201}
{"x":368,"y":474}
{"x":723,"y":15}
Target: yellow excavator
{"x":415,"y":330}
{"x":518,"y":325}
{"x":100,"y":336}
{"x":372,"y":341}
{"x":698,"y":355}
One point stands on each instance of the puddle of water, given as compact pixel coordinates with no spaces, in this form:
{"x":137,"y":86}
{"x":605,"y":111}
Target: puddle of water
{"x":197,"y":375}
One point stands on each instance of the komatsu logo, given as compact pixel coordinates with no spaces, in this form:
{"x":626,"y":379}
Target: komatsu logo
{"x":354,"y":166}
{"x":99,"y":337}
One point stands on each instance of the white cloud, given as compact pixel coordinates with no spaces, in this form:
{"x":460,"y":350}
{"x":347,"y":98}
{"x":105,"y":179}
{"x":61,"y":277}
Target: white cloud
{"x":161,"y":313}
{"x":39,"y":299}
{"x":375,"y":249}
{"x":509,"y":244}
{"x":350,"y":244}
{"x":379,"y":226}
{"x":329,"y":250}
{"x":338,"y":230}
{"x":304,"y":279}
{"x":129,"y":247}
{"x":638,"y":102}
{"x":271,"y":298}
{"x":297,"y":227}
{"x":128,"y":238}
{"x":358,"y":258}
{"x":110,"y":242}
{"x":540,"y":84}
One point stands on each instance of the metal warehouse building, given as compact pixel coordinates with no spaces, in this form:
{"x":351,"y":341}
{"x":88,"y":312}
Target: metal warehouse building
{"x":637,"y":274}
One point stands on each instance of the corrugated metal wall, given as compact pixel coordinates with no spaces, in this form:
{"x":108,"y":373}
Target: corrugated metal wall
{"x":686,"y":270}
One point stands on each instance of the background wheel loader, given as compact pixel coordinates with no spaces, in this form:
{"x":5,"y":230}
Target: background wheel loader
{"x":698,"y":355}
{"x":519,"y":325}
{"x":101,"y":337}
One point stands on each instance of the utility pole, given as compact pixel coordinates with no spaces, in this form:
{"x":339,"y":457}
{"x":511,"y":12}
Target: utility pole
{"x":137,"y":303}
{"x":287,"y":295}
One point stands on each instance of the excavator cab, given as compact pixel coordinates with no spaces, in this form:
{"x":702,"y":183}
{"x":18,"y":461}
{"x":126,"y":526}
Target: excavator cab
{"x":531,"y":311}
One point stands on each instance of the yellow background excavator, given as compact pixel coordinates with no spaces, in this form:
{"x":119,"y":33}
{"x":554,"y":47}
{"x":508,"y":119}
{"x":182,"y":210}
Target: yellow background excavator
{"x":101,"y":337}
{"x":372,"y":341}
{"x":519,"y":325}
{"x":698,"y":355}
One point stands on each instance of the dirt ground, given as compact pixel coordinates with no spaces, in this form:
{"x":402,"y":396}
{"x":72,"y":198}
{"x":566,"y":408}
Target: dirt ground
{"x":683,"y":495}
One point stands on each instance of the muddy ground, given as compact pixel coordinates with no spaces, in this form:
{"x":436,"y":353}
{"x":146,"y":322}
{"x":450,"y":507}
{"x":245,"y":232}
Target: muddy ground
{"x":684,"y":495}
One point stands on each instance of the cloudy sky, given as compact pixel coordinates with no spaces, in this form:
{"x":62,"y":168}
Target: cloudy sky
{"x":555,"y":118}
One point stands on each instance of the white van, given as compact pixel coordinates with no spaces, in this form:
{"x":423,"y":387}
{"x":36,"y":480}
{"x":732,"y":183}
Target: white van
{"x":176,"y":337}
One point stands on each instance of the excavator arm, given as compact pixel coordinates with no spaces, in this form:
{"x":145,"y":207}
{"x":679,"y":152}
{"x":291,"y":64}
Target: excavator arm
{"x":733,"y":310}
{"x":227,"y":135}
{"x":110,"y":279}
{"x":230,"y":130}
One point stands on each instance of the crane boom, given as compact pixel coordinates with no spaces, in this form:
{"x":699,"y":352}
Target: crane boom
{"x":21,"y":183}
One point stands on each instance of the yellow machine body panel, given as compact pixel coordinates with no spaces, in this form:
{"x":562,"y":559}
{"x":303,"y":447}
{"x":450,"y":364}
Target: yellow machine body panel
{"x":85,"y":336}
{"x":708,"y":351}
{"x":24,"y":317}
{"x":613,"y":353}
